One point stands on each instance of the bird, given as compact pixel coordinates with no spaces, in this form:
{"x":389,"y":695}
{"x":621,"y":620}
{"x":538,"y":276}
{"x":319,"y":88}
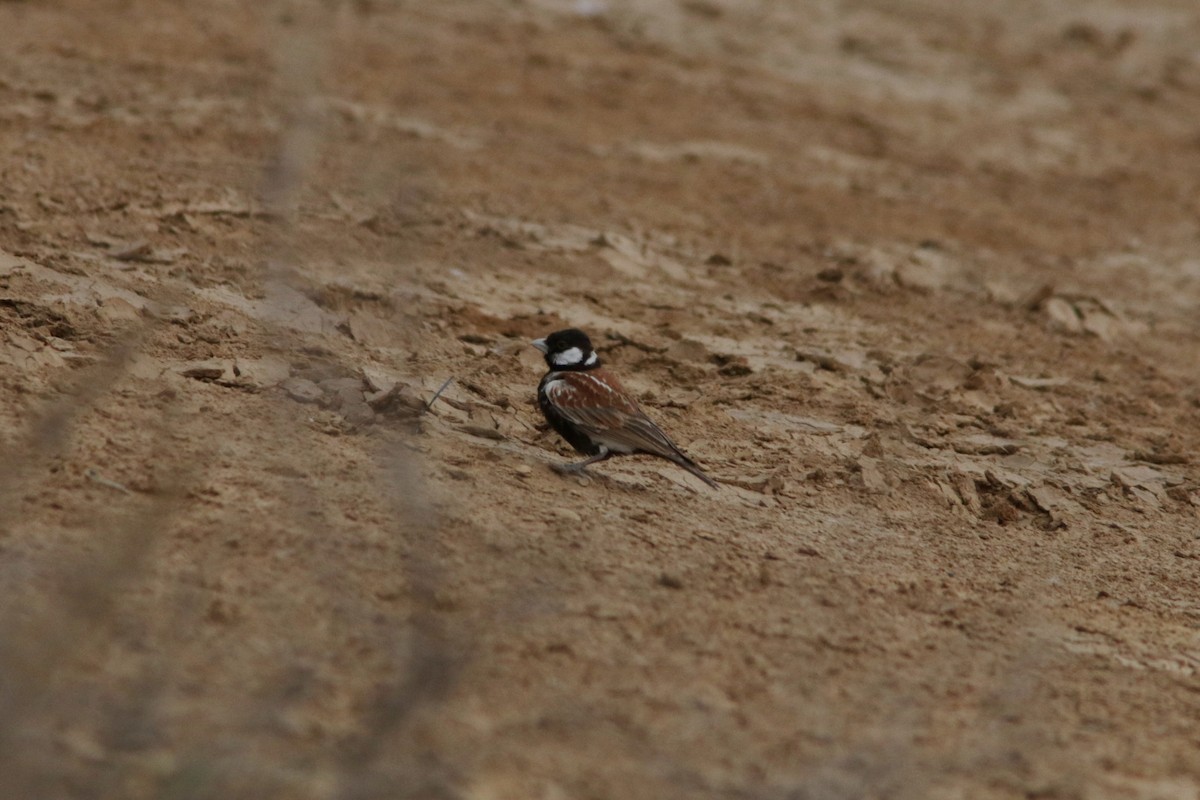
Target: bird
{"x":590,"y":408}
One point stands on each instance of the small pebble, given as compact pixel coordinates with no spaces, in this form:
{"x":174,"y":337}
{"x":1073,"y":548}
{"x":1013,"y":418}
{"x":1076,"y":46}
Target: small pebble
{"x":302,"y":390}
{"x":204,"y":370}
{"x":670,"y":581}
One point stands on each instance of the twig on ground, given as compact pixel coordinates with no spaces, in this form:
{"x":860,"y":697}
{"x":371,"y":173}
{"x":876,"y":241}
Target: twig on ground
{"x":95,"y":477}
{"x":438,"y":393}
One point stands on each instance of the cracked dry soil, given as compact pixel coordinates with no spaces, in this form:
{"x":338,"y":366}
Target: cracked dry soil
{"x":916,"y":281}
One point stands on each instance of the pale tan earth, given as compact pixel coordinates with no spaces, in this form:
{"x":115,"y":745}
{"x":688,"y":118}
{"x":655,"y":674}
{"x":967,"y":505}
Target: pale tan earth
{"x":917,"y":281}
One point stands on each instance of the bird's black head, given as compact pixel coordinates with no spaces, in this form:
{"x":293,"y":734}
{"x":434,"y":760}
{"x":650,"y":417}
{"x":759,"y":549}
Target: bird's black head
{"x":568,"y":349}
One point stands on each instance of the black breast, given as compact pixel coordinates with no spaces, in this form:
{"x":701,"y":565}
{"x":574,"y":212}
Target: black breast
{"x":565,"y":428}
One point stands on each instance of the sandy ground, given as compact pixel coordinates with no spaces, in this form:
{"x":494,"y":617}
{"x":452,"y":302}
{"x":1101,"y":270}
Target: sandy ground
{"x":916,"y":280}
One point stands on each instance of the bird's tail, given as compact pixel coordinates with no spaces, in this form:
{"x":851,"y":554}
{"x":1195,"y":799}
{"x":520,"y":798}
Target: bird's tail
{"x":694,"y":468}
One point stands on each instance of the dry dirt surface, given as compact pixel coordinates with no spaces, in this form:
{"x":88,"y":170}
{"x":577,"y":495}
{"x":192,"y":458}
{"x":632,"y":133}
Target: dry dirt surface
{"x":917,"y":281}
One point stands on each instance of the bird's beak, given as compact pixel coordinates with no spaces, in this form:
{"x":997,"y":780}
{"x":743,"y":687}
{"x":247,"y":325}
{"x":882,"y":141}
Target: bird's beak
{"x":540,"y":344}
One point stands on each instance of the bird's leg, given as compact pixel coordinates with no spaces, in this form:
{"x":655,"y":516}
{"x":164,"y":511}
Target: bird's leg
{"x":580,"y":466}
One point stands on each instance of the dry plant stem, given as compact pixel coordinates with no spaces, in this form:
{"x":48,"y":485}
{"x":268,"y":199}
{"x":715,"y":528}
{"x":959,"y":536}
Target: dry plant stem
{"x":431,"y":666}
{"x":300,"y":52}
{"x":425,"y":671}
{"x":78,"y":615}
{"x":47,"y":437}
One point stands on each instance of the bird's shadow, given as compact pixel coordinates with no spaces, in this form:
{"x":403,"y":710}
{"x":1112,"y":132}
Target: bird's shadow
{"x":630,"y":483}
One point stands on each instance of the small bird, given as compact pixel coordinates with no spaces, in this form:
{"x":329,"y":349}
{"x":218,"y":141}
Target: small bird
{"x":593,"y":412}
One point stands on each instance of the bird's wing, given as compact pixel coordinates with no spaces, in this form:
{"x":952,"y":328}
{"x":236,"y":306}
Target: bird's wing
{"x":597,"y":404}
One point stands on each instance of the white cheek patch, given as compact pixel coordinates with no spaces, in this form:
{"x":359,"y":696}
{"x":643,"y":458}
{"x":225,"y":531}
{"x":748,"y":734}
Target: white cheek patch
{"x":567,"y":357}
{"x":591,"y":359}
